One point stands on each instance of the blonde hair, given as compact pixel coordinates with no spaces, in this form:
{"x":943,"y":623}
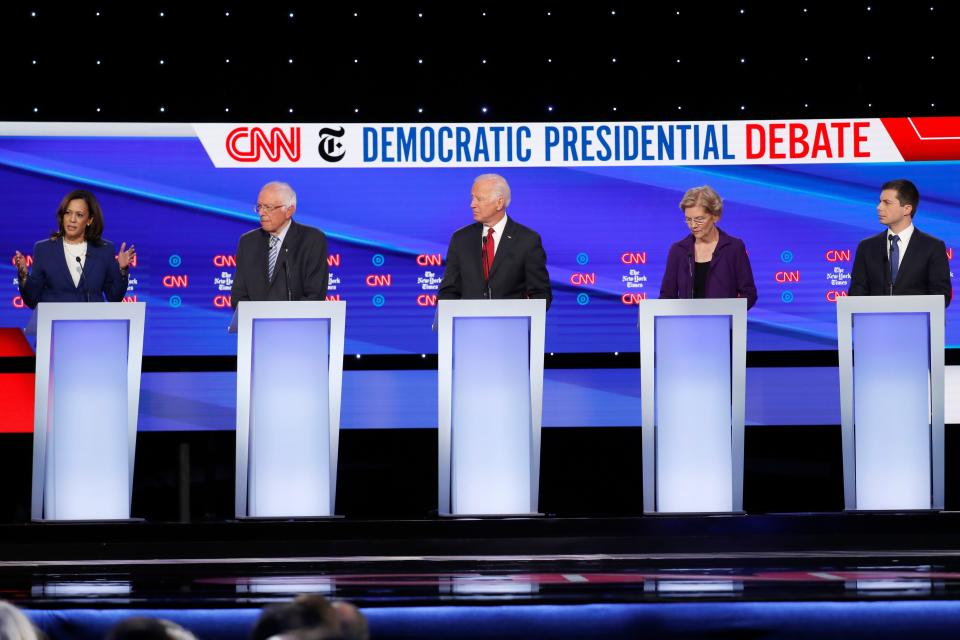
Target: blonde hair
{"x":704,"y":197}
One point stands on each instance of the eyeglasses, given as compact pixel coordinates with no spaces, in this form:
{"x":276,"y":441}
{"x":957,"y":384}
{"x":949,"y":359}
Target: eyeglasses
{"x":696,"y":222}
{"x":269,"y":208}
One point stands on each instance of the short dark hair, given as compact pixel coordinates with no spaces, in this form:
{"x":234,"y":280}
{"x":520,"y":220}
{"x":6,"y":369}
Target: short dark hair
{"x":303,"y":612}
{"x":907,"y":193}
{"x":94,"y":232}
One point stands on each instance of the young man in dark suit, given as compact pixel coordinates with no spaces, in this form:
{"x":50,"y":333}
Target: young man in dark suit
{"x":495,"y":257}
{"x":282,"y":260}
{"x":902,"y":260}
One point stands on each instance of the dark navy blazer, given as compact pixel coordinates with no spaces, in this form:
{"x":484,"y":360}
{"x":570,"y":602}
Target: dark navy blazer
{"x":519,"y":268}
{"x":924,"y":269}
{"x":50,"y":280}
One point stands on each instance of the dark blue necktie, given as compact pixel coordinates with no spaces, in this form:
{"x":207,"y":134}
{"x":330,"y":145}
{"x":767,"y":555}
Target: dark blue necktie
{"x":894,"y":259}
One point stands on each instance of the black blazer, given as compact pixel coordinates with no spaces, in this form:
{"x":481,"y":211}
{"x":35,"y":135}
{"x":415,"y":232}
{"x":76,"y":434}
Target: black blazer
{"x":302,"y":258}
{"x":923,"y":269}
{"x":519,"y":268}
{"x":50,"y":280}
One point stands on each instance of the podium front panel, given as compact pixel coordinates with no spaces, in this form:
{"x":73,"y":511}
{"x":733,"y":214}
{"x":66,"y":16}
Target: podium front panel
{"x":289,"y":419}
{"x":891,"y":393}
{"x":491,"y":416}
{"x":289,"y":381}
{"x":692,"y":394}
{"x":490,"y":396}
{"x":85,"y":412}
{"x":693,"y":418}
{"x":891,"y":401}
{"x":89,"y":474}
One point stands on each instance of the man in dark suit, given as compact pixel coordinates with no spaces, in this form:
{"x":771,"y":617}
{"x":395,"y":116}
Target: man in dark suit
{"x":282,"y":260}
{"x":902,"y":260}
{"x":494,"y":257}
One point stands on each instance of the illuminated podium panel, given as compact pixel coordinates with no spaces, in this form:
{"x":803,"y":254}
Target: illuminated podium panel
{"x":692,"y":375}
{"x":85,"y":409}
{"x":891,"y":401}
{"x":490,"y":405}
{"x":289,"y":379}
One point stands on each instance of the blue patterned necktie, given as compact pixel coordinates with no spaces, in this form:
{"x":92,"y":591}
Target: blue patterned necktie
{"x":272,"y":259}
{"x":894,"y":259}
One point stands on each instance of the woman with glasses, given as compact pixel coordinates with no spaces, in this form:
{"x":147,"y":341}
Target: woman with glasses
{"x":708,"y":263}
{"x":75,"y":264}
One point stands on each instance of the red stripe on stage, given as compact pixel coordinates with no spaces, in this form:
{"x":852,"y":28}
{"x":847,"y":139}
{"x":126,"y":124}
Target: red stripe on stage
{"x":16,"y":402}
{"x":13,"y":343}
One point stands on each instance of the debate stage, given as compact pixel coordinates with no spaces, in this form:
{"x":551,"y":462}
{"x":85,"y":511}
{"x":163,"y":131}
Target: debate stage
{"x":845,"y":575}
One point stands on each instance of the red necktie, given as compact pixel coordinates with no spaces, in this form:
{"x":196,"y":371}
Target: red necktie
{"x":488,"y":251}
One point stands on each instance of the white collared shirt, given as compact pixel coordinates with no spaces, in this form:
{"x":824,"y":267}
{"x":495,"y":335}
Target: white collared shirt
{"x":497,"y":233}
{"x":904,"y":241}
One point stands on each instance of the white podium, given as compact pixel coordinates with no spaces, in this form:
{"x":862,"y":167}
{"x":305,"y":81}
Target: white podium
{"x":891,"y":401}
{"x":692,"y":383}
{"x":490,"y":370}
{"x":289,"y":375}
{"x":85,"y":409}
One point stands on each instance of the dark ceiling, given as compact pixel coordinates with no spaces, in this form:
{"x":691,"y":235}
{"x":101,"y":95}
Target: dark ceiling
{"x":437,"y":62}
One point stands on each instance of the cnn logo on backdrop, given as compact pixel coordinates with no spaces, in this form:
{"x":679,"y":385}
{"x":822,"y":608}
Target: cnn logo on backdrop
{"x":248,"y":144}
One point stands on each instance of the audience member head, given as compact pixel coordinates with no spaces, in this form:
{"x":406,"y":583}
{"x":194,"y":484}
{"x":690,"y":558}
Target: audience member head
{"x":145,"y":628}
{"x":14,"y":625}
{"x":303,"y":612}
{"x":353,"y":624}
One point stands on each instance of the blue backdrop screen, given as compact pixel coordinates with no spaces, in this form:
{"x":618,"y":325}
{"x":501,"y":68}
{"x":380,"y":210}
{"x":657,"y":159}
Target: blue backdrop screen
{"x":606,"y":232}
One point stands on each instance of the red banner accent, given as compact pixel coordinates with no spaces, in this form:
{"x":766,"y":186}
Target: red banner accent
{"x":931,"y":138}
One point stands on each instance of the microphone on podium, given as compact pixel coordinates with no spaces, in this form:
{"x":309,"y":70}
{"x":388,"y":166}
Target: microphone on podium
{"x":82,"y":282}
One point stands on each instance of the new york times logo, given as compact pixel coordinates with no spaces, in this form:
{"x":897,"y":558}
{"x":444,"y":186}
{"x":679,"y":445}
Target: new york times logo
{"x":330,"y":147}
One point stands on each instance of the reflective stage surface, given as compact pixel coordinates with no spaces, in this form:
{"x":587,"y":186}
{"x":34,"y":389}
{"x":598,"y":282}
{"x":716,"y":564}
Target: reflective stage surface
{"x":561,"y":580}
{"x":777,"y":576}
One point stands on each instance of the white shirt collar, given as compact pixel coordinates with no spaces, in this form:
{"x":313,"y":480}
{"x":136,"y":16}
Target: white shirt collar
{"x":283,"y":232}
{"x":497,"y":228}
{"x":904,"y":235}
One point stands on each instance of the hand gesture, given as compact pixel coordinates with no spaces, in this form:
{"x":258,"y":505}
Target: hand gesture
{"x":21,"y":264}
{"x":126,"y":256}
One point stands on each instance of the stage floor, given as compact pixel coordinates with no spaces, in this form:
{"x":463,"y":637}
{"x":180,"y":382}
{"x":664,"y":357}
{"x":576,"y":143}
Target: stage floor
{"x":373,"y":582}
{"x":797,"y":557}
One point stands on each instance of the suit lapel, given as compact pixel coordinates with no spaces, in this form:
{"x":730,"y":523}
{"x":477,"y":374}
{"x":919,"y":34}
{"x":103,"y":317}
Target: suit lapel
{"x":87,"y":262}
{"x":882,"y":259}
{"x":259,"y":257}
{"x":473,"y":251}
{"x":506,"y":245}
{"x":910,"y":258}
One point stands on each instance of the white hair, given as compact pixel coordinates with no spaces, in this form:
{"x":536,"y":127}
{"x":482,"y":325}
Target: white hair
{"x":499,"y":186}
{"x":283,"y":186}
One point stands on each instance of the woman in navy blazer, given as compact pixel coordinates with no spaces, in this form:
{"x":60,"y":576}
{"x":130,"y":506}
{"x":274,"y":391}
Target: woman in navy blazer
{"x":708,"y":263}
{"x":75,"y":264}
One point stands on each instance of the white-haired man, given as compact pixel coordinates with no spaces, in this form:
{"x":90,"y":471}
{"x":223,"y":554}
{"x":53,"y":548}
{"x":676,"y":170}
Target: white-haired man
{"x":282,"y":260}
{"x":495,"y":257}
